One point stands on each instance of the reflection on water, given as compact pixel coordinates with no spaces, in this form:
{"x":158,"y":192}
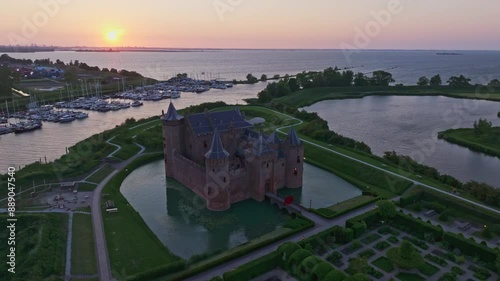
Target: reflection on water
{"x":409,"y":125}
{"x":321,"y":189}
{"x":179,"y":218}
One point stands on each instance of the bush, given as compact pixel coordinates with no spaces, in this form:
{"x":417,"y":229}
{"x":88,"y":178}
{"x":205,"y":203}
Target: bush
{"x":436,"y":260}
{"x":393,"y":239}
{"x":296,"y":258}
{"x":321,"y":270}
{"x":334,"y":257}
{"x":335,"y":275}
{"x":382,"y":245}
{"x":359,"y":228}
{"x":254,"y":268}
{"x":370,"y":218}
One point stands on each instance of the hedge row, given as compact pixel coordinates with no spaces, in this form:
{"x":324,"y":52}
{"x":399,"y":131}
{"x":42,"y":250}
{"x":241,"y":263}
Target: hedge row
{"x":254,"y":268}
{"x":341,"y":235}
{"x":470,"y":247}
{"x":418,"y":225}
{"x":158,"y":271}
{"x":370,"y":217}
{"x":428,"y":195}
{"x":330,"y":214}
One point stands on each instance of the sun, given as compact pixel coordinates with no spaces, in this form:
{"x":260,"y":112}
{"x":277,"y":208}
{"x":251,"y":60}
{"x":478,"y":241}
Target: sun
{"x":112,"y":36}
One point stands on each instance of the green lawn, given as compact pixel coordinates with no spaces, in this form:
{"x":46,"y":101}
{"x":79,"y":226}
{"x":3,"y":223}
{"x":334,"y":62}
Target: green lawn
{"x":486,"y":143}
{"x":409,"y":277}
{"x":86,"y":186}
{"x":428,"y":269}
{"x":384,"y":263}
{"x":82,"y":247}
{"x":133,"y":248}
{"x":100,"y":174}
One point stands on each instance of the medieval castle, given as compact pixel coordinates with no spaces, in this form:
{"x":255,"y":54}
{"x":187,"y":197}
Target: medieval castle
{"x":219,"y":157}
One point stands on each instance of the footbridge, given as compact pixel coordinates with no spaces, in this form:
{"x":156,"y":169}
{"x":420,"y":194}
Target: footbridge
{"x":280,"y":202}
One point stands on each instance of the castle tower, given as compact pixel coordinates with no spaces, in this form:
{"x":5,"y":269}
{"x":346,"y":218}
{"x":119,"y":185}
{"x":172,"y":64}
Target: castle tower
{"x":217,"y":175}
{"x":294,"y":168}
{"x":262,"y":168}
{"x":173,"y":137}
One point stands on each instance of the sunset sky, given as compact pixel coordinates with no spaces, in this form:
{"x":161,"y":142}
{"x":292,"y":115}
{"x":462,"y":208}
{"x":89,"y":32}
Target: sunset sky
{"x":322,"y":24}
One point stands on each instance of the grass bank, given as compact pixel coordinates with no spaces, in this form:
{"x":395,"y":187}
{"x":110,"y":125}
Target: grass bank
{"x":311,"y":96}
{"x":133,"y":248}
{"x":485,"y":143}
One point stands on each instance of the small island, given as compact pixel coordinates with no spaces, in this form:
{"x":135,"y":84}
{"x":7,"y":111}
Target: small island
{"x":482,"y":138}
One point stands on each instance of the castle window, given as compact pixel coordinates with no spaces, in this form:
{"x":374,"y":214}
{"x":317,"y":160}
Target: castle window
{"x":295,"y":172}
{"x":267,"y":165}
{"x":298,"y":159}
{"x":283,"y":164}
{"x":205,"y":145}
{"x":210,"y":191}
{"x":224,"y":179}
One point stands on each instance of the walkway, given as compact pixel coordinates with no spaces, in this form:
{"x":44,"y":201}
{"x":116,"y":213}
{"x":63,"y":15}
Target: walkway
{"x":103,"y":265}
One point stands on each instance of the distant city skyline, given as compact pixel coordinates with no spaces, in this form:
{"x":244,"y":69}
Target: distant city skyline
{"x":256,"y":24}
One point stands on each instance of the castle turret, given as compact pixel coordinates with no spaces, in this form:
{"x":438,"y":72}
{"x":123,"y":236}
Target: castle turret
{"x":173,"y":137}
{"x":217,"y":175}
{"x":294,"y":151}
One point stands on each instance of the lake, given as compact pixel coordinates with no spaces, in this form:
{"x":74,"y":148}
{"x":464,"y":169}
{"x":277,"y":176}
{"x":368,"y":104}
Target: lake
{"x":409,"y":126}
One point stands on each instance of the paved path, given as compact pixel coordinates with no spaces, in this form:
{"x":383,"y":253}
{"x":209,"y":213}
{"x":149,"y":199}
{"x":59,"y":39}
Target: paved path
{"x":103,"y":264}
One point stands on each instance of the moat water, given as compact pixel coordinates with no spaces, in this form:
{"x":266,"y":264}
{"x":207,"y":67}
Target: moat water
{"x":179,"y":219}
{"x":409,"y":126}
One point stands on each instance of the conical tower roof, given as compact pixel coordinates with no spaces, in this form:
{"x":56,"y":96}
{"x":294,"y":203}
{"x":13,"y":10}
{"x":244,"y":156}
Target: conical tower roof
{"x":172,"y":114}
{"x":293,"y":138}
{"x":274,"y":139}
{"x":217,"y":150}
{"x":261,"y":146}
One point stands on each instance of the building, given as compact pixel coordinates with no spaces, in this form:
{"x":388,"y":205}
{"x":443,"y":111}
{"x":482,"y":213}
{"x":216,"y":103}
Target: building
{"x":219,"y":157}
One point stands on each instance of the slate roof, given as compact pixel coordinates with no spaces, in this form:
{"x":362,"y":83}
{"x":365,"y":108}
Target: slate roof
{"x":207,"y":122}
{"x":293,"y":138}
{"x":261,"y":147}
{"x":274,"y":139}
{"x":172,"y":114}
{"x":217,"y":150}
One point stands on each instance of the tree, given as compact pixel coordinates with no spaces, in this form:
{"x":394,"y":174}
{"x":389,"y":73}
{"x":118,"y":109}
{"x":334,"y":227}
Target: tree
{"x":263,"y":77}
{"x":360,"y":80}
{"x":264,"y":96}
{"x":458,"y":81}
{"x":7,"y":80}
{"x":251,"y":79}
{"x":435,"y":80}
{"x":358,"y":265}
{"x":486,"y":233}
{"x":494,"y":82}
{"x":356,"y":277}
{"x":387,"y":209}
{"x":423,"y":81}
{"x":483,"y":126}
{"x":405,"y":256}
{"x":497,"y":263}
{"x":293,"y":85}
{"x":381,"y":78}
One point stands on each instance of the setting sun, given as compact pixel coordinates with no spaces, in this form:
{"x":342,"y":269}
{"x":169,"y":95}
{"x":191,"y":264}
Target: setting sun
{"x":112,"y":35}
